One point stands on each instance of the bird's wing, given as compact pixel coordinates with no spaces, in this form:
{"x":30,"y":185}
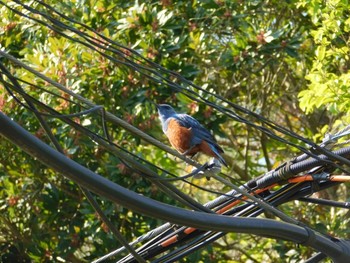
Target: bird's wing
{"x":198,"y":130}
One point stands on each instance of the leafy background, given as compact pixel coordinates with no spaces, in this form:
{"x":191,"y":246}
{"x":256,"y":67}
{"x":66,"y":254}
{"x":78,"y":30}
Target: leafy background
{"x":286,"y":60}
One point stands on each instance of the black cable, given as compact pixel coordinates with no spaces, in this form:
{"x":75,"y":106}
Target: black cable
{"x":181,"y":89}
{"x":47,"y":91}
{"x":318,"y":257}
{"x":320,"y":201}
{"x":178,"y":76}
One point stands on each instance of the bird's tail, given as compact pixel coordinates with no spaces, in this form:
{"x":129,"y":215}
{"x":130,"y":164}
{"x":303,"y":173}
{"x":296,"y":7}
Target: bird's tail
{"x":217,"y":150}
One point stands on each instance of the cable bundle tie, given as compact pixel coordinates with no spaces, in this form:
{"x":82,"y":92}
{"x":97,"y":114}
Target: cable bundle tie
{"x":311,"y":236}
{"x":285,"y":172}
{"x":323,"y":176}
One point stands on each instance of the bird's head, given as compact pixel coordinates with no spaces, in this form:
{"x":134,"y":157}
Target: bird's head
{"x":165,"y":111}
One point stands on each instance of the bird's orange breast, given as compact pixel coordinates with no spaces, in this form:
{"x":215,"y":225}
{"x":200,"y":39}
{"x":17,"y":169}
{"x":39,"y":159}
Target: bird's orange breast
{"x":180,"y":138}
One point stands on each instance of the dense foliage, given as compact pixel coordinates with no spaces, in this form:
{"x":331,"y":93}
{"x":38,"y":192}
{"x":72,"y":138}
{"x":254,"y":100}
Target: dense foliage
{"x":286,"y":60}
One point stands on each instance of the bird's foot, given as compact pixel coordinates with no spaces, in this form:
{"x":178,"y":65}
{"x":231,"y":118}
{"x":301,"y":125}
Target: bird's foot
{"x":208,"y":169}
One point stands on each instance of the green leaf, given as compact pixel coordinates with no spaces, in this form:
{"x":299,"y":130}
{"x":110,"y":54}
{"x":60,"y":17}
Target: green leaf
{"x":320,"y":52}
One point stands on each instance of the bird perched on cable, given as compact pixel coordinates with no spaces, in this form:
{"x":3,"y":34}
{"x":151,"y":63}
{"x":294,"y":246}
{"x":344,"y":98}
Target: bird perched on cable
{"x":187,"y":135}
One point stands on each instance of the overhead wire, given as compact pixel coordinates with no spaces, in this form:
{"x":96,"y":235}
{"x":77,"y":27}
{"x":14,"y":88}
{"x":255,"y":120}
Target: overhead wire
{"x":172,"y":84}
{"x":184,"y":80}
{"x":168,"y":82}
{"x":301,"y":179}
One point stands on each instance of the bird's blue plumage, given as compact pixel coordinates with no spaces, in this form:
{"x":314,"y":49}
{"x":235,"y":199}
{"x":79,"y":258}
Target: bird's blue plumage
{"x":200,"y":133}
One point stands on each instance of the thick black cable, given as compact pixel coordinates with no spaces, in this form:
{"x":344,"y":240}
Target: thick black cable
{"x":295,"y":168}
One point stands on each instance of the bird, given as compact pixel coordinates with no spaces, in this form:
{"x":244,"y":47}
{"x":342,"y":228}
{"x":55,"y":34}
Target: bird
{"x":187,"y":135}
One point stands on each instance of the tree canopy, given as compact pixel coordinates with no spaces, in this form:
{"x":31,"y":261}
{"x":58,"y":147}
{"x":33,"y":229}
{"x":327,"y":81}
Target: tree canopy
{"x":285,"y":61}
